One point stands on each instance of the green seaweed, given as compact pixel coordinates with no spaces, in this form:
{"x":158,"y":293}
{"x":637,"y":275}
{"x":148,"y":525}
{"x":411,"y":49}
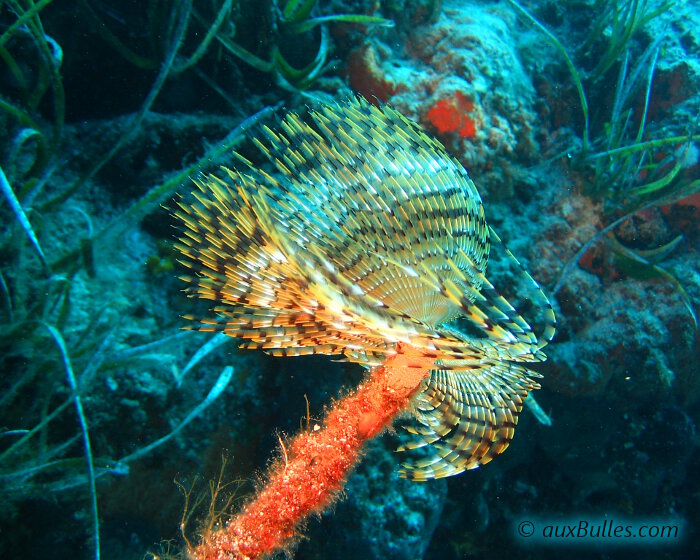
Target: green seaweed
{"x":22,"y":108}
{"x":179,"y":26}
{"x":626,"y":169}
{"x":56,"y":350}
{"x":84,"y":431}
{"x":21,"y":217}
{"x":636,"y":265}
{"x":295,"y":19}
{"x":615,"y":24}
{"x":569,"y":64}
{"x":287,"y":24}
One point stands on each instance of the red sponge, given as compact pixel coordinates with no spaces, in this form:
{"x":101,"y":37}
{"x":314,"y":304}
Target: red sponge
{"x":452,"y":115}
{"x":314,"y":467}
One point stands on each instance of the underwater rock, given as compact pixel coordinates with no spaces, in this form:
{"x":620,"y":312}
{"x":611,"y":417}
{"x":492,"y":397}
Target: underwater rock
{"x":678,"y":69}
{"x":638,"y":339}
{"x":461,"y":76}
{"x":651,"y":454}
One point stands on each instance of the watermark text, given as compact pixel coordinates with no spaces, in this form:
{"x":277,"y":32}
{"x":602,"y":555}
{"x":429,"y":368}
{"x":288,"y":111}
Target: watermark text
{"x":601,"y":531}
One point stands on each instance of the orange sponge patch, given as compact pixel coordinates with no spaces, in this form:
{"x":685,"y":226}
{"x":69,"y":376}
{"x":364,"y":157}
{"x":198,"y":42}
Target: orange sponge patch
{"x":453,"y":115}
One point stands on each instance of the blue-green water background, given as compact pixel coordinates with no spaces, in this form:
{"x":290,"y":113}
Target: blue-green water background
{"x":106,"y":107}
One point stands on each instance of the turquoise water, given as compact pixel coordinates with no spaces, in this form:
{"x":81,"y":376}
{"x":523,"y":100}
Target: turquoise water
{"x":577,"y":122}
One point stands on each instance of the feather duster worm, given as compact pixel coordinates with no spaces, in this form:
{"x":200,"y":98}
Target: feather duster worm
{"x":369,"y":241}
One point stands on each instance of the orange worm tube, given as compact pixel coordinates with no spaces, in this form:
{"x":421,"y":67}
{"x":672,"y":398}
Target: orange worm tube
{"x":317,"y":462}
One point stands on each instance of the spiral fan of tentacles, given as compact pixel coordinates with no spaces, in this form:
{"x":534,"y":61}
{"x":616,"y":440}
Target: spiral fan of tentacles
{"x":367,"y":234}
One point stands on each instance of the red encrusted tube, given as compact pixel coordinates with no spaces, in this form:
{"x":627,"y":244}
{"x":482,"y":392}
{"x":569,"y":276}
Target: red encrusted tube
{"x":315,"y":465}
